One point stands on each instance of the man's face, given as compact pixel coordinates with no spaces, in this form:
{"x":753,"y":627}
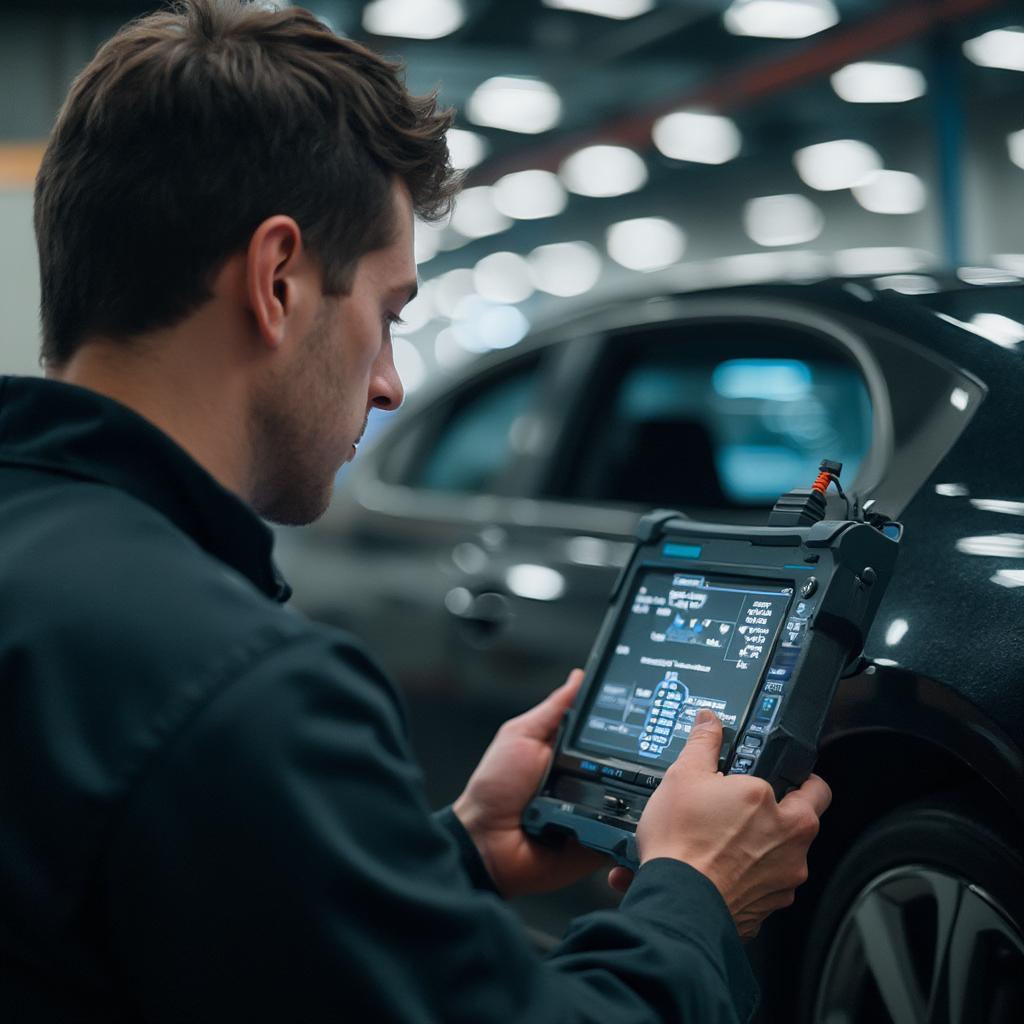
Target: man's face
{"x":309,"y":422}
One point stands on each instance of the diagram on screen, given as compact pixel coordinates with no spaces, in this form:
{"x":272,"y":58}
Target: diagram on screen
{"x":705,"y":632}
{"x":672,"y":709}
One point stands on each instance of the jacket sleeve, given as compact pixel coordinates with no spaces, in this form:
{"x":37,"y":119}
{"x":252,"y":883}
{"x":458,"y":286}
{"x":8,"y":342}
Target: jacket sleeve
{"x":277,"y":862}
{"x":469,"y":855}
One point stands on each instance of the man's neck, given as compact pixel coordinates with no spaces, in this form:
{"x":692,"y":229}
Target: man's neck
{"x":172,"y":382}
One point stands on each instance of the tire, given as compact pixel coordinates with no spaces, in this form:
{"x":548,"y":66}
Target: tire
{"x":922,"y":922}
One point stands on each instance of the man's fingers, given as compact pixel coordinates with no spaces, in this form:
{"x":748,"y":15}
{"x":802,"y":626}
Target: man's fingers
{"x":541,"y":721}
{"x":816,"y":792}
{"x":704,"y":743}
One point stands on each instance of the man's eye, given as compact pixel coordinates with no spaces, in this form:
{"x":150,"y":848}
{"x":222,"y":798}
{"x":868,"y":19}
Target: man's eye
{"x":393,"y":320}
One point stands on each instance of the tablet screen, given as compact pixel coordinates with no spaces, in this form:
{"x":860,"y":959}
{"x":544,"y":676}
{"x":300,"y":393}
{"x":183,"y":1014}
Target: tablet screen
{"x":686,"y":641}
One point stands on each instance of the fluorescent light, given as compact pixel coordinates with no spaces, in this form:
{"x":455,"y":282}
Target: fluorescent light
{"x":782,"y":220}
{"x":1015,"y":147}
{"x":517,"y":104}
{"x":413,"y":19}
{"x":483,"y":326}
{"x":829,"y":166}
{"x":529,"y":195}
{"x":503,"y":277}
{"x":699,"y":138}
{"x":952,"y":490}
{"x":475,"y":214}
{"x":959,"y":399}
{"x":878,"y":82}
{"x":619,"y":9}
{"x":1000,"y":48}
{"x":466,"y":149}
{"x":780,"y":19}
{"x":891,"y":192}
{"x":451,"y":288}
{"x":565,"y":268}
{"x":884,"y":259}
{"x":449,"y":351}
{"x":646,"y":243}
{"x":409,"y":363}
{"x":604,"y":171}
{"x":427,"y":241}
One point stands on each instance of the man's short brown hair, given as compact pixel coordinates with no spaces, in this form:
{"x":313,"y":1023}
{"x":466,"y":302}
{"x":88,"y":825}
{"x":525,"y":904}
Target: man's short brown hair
{"x":192,"y":126}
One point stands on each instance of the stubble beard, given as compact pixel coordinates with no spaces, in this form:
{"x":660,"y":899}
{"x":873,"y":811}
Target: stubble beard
{"x":293,"y":477}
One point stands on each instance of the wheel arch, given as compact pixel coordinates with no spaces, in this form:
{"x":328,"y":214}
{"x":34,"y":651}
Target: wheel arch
{"x":892,"y":738}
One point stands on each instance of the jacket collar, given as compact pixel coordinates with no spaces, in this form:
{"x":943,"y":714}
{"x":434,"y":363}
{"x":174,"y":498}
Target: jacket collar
{"x":65,"y":429}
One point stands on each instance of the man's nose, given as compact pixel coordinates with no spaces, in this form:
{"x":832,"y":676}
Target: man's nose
{"x":386,"y":391}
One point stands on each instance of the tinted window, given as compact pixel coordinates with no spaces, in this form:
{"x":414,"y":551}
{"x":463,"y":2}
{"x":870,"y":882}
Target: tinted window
{"x":716,"y":416}
{"x":478,"y":434}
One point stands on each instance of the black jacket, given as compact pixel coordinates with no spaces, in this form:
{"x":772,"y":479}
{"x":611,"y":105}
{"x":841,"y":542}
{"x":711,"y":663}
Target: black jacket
{"x":208,"y":807}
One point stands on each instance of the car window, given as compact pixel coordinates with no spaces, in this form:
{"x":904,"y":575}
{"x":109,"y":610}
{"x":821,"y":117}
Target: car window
{"x":716,"y":416}
{"x":477,"y":433}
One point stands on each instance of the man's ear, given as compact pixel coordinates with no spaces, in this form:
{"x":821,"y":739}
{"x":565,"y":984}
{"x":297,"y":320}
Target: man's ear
{"x":274,"y":265}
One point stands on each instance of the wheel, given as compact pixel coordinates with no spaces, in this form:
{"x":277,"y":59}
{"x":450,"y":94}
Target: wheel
{"x":921,"y":923}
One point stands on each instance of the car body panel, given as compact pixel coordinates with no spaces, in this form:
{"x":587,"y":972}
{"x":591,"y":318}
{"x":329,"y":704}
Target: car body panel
{"x":432,"y":571}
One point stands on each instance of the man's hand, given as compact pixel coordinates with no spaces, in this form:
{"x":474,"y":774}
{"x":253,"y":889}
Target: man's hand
{"x":731,"y":829}
{"x":492,"y":804}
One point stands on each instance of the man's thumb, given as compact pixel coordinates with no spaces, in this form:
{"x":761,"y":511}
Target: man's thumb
{"x":704,"y":743}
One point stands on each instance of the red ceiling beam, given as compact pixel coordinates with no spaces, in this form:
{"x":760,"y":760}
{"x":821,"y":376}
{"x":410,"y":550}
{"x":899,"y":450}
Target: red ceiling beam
{"x":905,"y":21}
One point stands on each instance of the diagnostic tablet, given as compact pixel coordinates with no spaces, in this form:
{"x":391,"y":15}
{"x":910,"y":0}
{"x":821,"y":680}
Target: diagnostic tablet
{"x":755,"y":623}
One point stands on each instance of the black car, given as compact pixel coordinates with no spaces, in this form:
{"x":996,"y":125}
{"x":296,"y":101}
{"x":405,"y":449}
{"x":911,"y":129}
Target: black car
{"x":474,"y":548}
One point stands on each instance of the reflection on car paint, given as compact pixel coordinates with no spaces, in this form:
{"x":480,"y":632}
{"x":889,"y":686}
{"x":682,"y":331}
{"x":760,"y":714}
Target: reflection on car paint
{"x":997,"y":545}
{"x":1009,"y":508}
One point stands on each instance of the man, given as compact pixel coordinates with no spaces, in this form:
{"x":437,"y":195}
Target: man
{"x":209,"y":808}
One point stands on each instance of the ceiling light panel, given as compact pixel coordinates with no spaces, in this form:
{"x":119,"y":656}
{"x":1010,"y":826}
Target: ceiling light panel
{"x":565,"y":268}
{"x":516,"y":104}
{"x":843,"y":163}
{"x":780,"y":19}
{"x":1000,"y":48}
{"x":871,"y":81}
{"x":646,"y":243}
{"x":450,"y":289}
{"x":618,"y":9}
{"x":465,"y":149}
{"x":503,"y":277}
{"x":892,"y":192}
{"x":782,"y":220}
{"x":530,"y":195}
{"x":427,"y":241}
{"x":604,"y":171}
{"x":414,"y":19}
{"x":476,"y":216}
{"x":699,"y":138}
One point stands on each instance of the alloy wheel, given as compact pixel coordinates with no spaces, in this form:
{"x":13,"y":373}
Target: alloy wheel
{"x":919,"y":945}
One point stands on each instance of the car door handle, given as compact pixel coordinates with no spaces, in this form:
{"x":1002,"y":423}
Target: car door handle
{"x":487,"y":613}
